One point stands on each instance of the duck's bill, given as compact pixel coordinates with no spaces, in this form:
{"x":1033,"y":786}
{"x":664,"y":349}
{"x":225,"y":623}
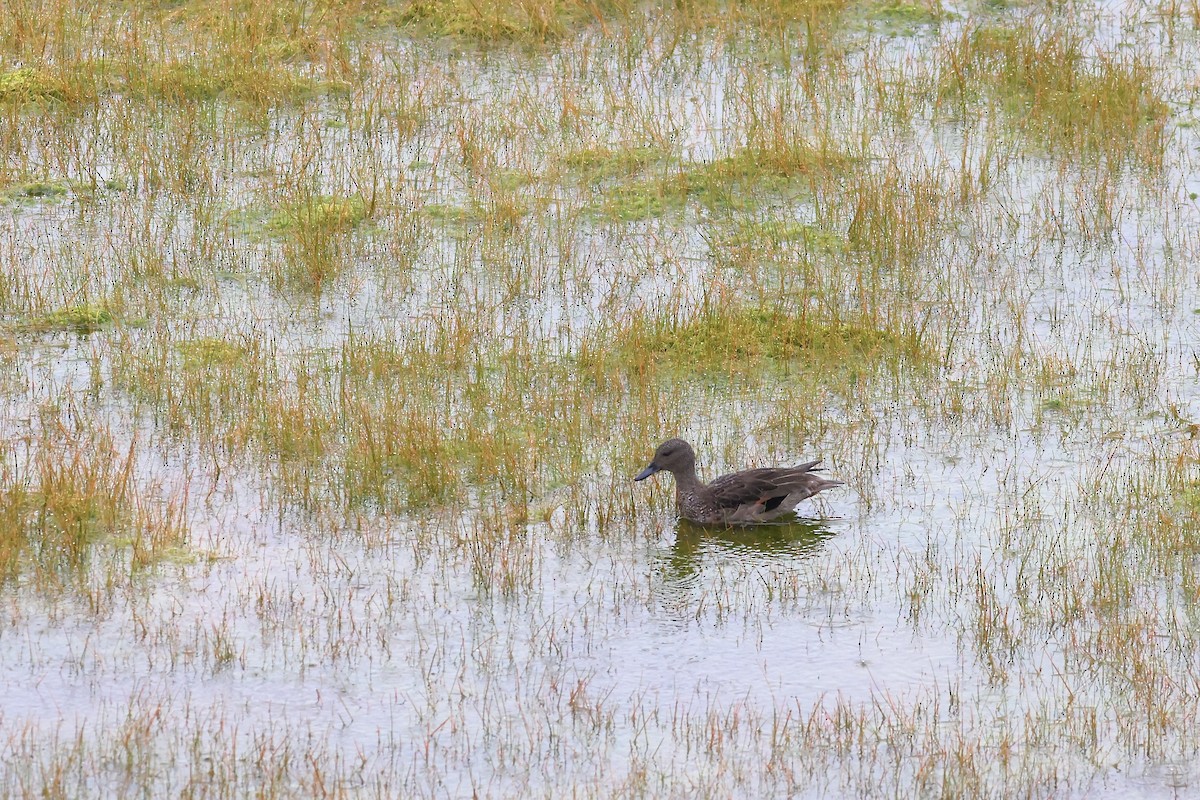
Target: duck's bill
{"x":647,"y":472}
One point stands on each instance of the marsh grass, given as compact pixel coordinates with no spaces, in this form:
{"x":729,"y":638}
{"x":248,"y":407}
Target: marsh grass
{"x":750,"y":340}
{"x":76,"y":492}
{"x":362,"y":426}
{"x":776,"y":256}
{"x":816,"y":17}
{"x":520,"y":20}
{"x":83,"y":319}
{"x":187,"y":82}
{"x":312,"y":229}
{"x":596,"y":164}
{"x":908,"y":14}
{"x":743,"y":181}
{"x":29,"y":84}
{"x":894,"y":217}
{"x":36,"y":191}
{"x":1058,"y":93}
{"x":328,"y":416}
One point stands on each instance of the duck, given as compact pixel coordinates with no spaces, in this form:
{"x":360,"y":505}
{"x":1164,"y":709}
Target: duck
{"x":739,"y":498}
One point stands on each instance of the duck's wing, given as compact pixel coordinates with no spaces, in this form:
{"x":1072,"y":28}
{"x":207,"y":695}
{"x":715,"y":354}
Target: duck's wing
{"x":760,"y":494}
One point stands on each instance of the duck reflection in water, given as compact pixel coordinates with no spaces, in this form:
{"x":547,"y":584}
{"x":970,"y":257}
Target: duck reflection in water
{"x":757,"y":545}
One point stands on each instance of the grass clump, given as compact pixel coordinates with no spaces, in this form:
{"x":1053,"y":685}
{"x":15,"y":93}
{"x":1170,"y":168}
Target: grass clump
{"x":54,"y":514}
{"x":765,"y":14}
{"x":744,"y":180}
{"x":741,"y":339}
{"x":69,"y":493}
{"x":1107,"y":103}
{"x":784,"y":158}
{"x":905,"y":14}
{"x":258,"y":53}
{"x":28,"y":84}
{"x":323,"y":213}
{"x":606,"y":163}
{"x":750,"y":245}
{"x":892,"y":217}
{"x":54,"y":190}
{"x":255,"y":82}
{"x":639,"y":200}
{"x":454,"y":221}
{"x":211,"y":352}
{"x":527,"y":20}
{"x":37,"y":191}
{"x":210,"y":387}
{"x":369,"y":428}
{"x":82,"y":319}
{"x":753,"y":174}
{"x":313,"y":228}
{"x":502,"y":214}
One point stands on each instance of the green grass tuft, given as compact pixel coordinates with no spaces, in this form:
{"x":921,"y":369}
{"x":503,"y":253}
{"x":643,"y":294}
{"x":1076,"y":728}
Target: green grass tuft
{"x":37,"y":191}
{"x":606,"y":163}
{"x":325,"y":213}
{"x":1052,"y":91}
{"x":742,"y":181}
{"x":210,"y":352}
{"x":905,"y":13}
{"x":748,"y":339}
{"x":74,"y":491}
{"x":28,"y":84}
{"x":80,"y":319}
{"x":520,"y":20}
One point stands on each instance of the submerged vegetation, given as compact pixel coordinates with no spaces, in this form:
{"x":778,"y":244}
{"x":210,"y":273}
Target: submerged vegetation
{"x":331,"y":334}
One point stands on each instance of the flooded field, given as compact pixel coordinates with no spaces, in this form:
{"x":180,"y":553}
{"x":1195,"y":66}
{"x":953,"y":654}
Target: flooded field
{"x":332,"y":335}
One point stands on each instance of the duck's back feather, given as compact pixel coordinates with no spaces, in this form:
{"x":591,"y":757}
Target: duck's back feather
{"x":758,"y":495}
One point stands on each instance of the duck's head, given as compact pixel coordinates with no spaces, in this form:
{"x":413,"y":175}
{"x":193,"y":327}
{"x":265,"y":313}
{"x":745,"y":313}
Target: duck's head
{"x":674,"y":455}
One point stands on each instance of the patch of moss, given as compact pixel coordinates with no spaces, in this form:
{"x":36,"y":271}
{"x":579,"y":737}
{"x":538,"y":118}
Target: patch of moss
{"x":443,"y":212}
{"x":604,"y":163}
{"x":773,"y":234}
{"x":28,"y":84}
{"x":698,"y":14}
{"x":80,"y":319}
{"x":904,"y":13}
{"x":454,"y":221}
{"x":1188,"y":498}
{"x":186,"y":81}
{"x":325,"y":213}
{"x":210,"y":352}
{"x":36,"y":191}
{"x":731,"y":339}
{"x":741,"y":181}
{"x":503,"y":19}
{"x":640,"y":200}
{"x":43,"y":189}
{"x":778,"y":160}
{"x":788,"y":247}
{"x":511,"y":180}
{"x":182,"y":81}
{"x":53,"y":190}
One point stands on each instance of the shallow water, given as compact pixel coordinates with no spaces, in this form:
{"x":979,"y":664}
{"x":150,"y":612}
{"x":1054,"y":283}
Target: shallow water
{"x":916,"y":632}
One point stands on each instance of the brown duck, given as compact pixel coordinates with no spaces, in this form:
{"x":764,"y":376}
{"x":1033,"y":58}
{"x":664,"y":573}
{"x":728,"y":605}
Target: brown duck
{"x":753,"y":495}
